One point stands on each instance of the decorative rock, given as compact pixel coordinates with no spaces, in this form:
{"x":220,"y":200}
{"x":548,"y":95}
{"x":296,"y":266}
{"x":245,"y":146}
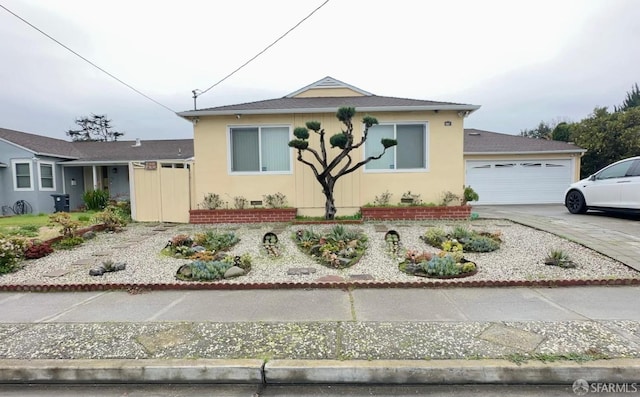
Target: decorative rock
{"x":198,"y":248}
{"x":107,"y":267}
{"x":98,"y":271}
{"x":89,"y":235}
{"x":300,"y":271}
{"x":234,"y":271}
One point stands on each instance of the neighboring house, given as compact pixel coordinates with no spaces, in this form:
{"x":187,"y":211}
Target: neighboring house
{"x":511,"y":169}
{"x":241,"y":150}
{"x":33,"y":167}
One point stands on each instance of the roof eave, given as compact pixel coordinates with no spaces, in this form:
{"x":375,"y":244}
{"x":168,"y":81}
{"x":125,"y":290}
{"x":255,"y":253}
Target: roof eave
{"x":60,"y":156}
{"x":529,"y":152}
{"x":78,"y":163}
{"x":197,"y":113}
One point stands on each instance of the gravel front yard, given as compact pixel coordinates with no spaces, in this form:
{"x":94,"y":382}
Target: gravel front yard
{"x":521,"y":256}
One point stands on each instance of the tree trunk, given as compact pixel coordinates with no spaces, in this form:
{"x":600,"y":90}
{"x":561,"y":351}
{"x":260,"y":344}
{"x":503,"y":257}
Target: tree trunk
{"x":329,"y":206}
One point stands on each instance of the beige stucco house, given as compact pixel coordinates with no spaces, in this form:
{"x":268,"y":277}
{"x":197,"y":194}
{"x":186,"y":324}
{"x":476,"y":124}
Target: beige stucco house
{"x":241,"y":150}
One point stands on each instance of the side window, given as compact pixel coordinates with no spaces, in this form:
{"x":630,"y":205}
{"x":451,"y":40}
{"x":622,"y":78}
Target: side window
{"x":635,"y":169}
{"x":615,"y":171}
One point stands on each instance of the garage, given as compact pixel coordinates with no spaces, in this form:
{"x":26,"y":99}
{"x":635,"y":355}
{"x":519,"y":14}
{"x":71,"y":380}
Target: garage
{"x":519,"y":181}
{"x":512,"y":169}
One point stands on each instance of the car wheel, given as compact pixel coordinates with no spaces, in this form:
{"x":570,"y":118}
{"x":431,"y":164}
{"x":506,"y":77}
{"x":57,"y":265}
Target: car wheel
{"x":575,"y":202}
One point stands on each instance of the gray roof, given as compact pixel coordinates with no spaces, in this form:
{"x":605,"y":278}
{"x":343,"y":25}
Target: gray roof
{"x":366,"y":102}
{"x":371,"y":103}
{"x":486,"y":142}
{"x":39,"y":144}
{"x":165,"y":149}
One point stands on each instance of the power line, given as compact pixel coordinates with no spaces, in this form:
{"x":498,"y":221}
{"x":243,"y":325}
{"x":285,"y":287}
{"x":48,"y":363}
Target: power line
{"x":195,"y":94}
{"x":88,"y":61}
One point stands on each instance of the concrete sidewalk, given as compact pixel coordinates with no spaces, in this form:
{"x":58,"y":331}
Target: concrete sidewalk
{"x":420,"y":336}
{"x":323,"y":336}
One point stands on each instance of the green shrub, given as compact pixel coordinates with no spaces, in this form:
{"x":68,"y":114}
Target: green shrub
{"x":481,"y":244}
{"x":448,"y":198}
{"x":212,"y":201}
{"x":461,"y":233}
{"x":207,"y":271}
{"x":95,"y":200}
{"x":337,"y":247}
{"x":69,"y":242}
{"x":67,"y":225}
{"x":383,"y":200}
{"x":435,"y":236}
{"x":277,"y":200}
{"x":558,"y":257}
{"x":84,"y":218}
{"x":469,"y":195}
{"x":215,"y":241}
{"x":441,"y":266}
{"x":11,"y":252}
{"x":111,"y":217}
{"x":240,"y":202}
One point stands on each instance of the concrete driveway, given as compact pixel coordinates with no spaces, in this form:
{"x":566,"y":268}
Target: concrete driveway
{"x":612,"y":234}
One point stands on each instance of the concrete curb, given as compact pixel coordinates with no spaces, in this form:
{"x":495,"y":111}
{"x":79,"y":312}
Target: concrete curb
{"x":255,"y":371}
{"x":131,"y":371}
{"x":449,"y":372}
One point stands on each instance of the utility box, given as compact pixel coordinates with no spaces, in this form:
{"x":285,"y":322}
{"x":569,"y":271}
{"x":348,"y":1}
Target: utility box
{"x":60,"y":202}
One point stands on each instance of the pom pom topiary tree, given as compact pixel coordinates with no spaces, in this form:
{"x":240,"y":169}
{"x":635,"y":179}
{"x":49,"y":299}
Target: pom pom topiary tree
{"x":328,"y":171}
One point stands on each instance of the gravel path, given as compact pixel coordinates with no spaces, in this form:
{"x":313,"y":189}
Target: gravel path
{"x":520,"y":257}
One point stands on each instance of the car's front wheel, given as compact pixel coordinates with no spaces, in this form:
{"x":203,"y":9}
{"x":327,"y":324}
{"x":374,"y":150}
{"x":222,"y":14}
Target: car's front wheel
{"x":575,"y":202}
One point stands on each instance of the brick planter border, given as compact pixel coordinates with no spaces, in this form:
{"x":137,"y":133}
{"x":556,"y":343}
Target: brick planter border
{"x":415,"y":213}
{"x":196,"y":285}
{"x":249,"y":215}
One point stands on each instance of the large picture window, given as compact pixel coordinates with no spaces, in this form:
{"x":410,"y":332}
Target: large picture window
{"x":22,"y":178}
{"x":260,"y":149}
{"x":47,"y":179}
{"x":409,"y":154}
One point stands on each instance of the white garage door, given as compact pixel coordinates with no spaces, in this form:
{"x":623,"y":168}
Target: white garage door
{"x":518,"y":181}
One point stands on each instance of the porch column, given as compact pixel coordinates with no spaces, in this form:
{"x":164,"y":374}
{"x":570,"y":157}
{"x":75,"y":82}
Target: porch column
{"x":95,"y":177}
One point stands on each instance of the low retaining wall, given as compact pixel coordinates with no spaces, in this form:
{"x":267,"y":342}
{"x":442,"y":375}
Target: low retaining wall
{"x":415,"y":213}
{"x":252,"y":215}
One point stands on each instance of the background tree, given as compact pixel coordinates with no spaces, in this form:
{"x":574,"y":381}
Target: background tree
{"x":94,"y":128}
{"x":562,"y":132}
{"x":608,"y":137}
{"x":632,"y":100}
{"x":543,"y":131}
{"x":323,"y":168}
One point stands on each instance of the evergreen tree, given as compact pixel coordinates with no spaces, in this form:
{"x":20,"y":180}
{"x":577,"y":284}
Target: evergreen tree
{"x":632,"y":100}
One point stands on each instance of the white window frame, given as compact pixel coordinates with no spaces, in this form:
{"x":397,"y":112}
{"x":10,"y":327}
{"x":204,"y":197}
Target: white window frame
{"x":395,"y":133}
{"x":53,"y":175}
{"x":259,"y":127}
{"x":15,"y":175}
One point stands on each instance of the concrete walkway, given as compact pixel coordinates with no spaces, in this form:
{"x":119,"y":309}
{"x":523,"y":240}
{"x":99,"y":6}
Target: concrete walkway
{"x":421,"y":336}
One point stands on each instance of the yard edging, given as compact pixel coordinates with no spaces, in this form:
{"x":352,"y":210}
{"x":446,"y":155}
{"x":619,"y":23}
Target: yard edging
{"x":313,"y":284}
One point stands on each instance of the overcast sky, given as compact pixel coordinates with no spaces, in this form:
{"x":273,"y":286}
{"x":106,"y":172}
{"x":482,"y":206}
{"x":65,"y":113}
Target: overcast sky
{"x":523,"y":62}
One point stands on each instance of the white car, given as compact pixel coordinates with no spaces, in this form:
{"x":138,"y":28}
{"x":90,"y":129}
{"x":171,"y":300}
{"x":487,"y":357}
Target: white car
{"x":613,"y":188}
